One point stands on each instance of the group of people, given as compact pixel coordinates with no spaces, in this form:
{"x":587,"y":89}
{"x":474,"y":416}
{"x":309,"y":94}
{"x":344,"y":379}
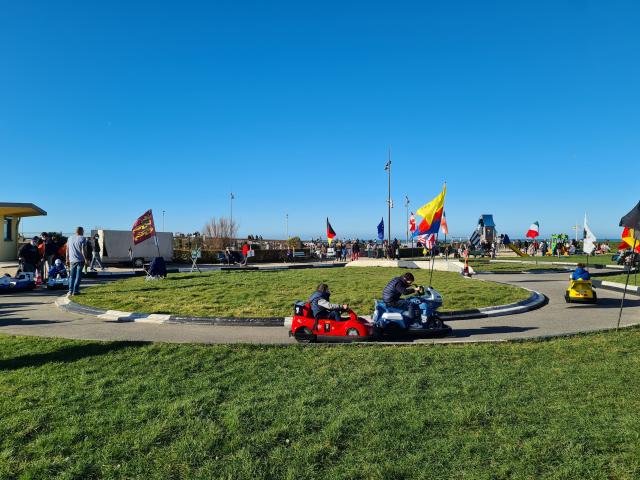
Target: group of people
{"x":50,"y":255}
{"x":343,"y":250}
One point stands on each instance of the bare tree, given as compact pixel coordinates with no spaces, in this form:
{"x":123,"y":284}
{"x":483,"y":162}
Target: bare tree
{"x":222,"y":231}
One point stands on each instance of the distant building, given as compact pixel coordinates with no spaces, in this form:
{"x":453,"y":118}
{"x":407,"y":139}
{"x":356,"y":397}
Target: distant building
{"x":10,"y":216}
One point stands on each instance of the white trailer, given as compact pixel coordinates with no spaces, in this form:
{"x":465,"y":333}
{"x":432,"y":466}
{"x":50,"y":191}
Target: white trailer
{"x":115,"y":245}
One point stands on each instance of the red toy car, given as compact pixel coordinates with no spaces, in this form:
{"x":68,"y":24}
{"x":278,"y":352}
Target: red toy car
{"x":305,"y":328}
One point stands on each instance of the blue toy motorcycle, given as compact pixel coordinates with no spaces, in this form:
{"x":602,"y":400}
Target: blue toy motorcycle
{"x":396,"y":322}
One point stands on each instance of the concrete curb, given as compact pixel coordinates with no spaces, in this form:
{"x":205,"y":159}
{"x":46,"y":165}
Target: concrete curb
{"x":119,"y":316}
{"x":616,"y":287}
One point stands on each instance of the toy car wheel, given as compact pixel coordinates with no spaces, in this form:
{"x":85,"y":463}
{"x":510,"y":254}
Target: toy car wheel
{"x":595,"y":298}
{"x":393,"y":330}
{"x":566,"y":297}
{"x":353,"y":332}
{"x":304,"y":335}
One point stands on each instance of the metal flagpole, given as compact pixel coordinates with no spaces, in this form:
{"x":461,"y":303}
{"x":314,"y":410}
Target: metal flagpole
{"x":433,"y":258}
{"x":388,"y":169}
{"x":633,"y":250}
{"x":231,"y":198}
{"x":406,"y":205}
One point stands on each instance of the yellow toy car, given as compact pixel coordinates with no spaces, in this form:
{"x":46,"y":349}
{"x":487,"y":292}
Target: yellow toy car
{"x":580,"y":291}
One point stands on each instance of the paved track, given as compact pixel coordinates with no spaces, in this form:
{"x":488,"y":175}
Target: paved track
{"x":34,"y":313}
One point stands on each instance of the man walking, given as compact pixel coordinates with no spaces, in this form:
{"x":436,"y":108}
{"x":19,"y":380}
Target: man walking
{"x":95,"y":259}
{"x":76,"y":260}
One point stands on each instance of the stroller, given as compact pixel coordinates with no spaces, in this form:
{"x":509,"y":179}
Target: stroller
{"x":157,"y":269}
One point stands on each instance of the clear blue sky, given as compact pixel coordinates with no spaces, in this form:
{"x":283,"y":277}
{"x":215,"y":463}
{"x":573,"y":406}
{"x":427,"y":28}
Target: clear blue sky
{"x":529,"y":111}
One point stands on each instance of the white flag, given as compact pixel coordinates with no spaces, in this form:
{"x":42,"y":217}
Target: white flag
{"x":589,"y":238}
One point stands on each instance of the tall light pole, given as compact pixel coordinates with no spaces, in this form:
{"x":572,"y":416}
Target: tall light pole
{"x":163,"y":220}
{"x":231,"y":199}
{"x":387,"y":167}
{"x":286,"y":220}
{"x":406,"y":205}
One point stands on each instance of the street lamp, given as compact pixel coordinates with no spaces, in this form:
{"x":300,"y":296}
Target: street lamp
{"x":286,"y":220}
{"x":163,"y":220}
{"x":231,"y":198}
{"x":387,"y":168}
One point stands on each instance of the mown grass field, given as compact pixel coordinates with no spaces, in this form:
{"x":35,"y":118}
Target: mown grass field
{"x":560,"y":409}
{"x":487,"y":266}
{"x":272,"y":294}
{"x":634,"y":279}
{"x":593,"y":259}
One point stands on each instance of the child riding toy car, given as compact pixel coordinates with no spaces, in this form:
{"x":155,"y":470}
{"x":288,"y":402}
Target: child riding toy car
{"x":580,"y":288}
{"x":306,"y":328}
{"x":58,"y":277}
{"x":397,"y":321}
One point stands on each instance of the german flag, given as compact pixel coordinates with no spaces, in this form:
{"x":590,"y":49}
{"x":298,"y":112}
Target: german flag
{"x":330,"y":233}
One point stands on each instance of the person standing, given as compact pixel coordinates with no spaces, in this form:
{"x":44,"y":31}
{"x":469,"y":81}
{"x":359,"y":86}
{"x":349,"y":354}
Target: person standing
{"x":49,"y":250}
{"x":88,"y":253}
{"x":29,"y":256}
{"x":95,"y":258}
{"x":76,"y":260}
{"x":245,"y":253}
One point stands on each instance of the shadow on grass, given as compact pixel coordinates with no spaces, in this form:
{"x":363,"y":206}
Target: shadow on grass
{"x":69,"y":353}
{"x":492,"y":330}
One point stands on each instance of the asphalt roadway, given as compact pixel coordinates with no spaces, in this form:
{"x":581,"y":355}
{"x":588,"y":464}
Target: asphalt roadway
{"x":34,"y":313}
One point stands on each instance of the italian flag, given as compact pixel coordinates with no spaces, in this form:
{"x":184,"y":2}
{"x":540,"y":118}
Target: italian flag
{"x":534,"y":230}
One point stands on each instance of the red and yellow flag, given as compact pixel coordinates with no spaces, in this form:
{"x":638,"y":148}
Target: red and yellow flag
{"x":431,"y":214}
{"x":143,"y":228}
{"x":628,"y":240}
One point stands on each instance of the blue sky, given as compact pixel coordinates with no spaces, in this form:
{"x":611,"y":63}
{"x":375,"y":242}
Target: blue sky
{"x":529,"y":111}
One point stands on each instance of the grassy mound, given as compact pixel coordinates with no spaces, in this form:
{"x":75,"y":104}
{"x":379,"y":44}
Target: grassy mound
{"x":271,"y":294}
{"x":565,"y":408}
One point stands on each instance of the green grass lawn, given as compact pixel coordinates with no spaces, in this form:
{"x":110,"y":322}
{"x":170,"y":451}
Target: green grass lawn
{"x":561,"y":409}
{"x":272,"y":294}
{"x":622,"y":278}
{"x":486,"y":266}
{"x":593,"y":259}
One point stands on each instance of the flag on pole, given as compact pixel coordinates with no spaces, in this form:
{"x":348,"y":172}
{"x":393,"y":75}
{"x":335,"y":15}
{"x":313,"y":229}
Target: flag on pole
{"x":632,"y":221}
{"x":628,"y":239}
{"x":631,"y":232}
{"x":431,"y":214}
{"x":534,"y":230}
{"x":143,"y":228}
{"x":381,"y":229}
{"x":428,"y":240}
{"x":443,"y":224}
{"x":330,"y":233}
{"x":474,"y":239}
{"x":589,"y":243}
{"x":412,"y":223}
